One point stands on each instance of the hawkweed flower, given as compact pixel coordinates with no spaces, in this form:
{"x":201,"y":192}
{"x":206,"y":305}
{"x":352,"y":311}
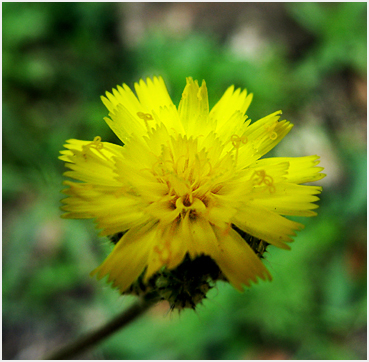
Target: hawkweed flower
{"x":188,"y":198}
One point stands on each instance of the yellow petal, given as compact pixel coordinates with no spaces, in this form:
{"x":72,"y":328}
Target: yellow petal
{"x":193,"y":108}
{"x":262,"y":136}
{"x":229,"y":114}
{"x":266,"y":225}
{"x":91,"y":161}
{"x":288,"y":199}
{"x":131,"y":116}
{"x":129,"y":257}
{"x":153,"y":94}
{"x":237,"y":260}
{"x":168,"y":249}
{"x":113,"y":211}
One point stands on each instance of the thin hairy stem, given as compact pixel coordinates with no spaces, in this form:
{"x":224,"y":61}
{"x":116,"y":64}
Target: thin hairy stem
{"x":97,"y":336}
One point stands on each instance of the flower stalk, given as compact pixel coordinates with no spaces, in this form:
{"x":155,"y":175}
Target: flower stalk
{"x":89,"y":340}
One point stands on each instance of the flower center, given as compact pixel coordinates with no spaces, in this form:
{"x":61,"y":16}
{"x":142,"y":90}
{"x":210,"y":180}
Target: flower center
{"x":192,"y":175}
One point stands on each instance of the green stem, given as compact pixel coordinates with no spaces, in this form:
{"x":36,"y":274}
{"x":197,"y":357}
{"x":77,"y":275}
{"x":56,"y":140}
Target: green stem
{"x":94,"y":337}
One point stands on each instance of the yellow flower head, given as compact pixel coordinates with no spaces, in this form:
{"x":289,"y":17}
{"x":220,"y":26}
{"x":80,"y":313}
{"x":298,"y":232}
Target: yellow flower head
{"x":188,"y":185}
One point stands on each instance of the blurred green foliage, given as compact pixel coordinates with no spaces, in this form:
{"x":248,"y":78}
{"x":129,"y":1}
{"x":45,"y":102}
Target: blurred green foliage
{"x":58,"y":58}
{"x":341,"y":31}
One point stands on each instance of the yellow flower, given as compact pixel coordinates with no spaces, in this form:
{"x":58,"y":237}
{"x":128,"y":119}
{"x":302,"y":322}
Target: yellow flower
{"x":187,"y":183}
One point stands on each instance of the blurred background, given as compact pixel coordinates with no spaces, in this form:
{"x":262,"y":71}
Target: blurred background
{"x":307,"y":59}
